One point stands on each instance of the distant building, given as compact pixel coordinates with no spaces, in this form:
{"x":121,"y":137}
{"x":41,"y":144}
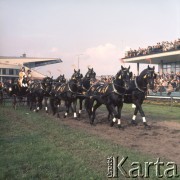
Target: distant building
{"x":8,"y":72}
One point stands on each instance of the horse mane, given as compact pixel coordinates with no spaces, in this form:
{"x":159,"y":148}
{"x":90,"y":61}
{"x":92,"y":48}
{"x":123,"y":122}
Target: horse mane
{"x":145,"y":71}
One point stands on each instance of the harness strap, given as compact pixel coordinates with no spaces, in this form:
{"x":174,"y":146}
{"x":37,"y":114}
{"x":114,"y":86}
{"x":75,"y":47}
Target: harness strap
{"x":70,"y":89}
{"x":84,"y":87}
{"x":115,"y":90}
{"x":138,"y":86}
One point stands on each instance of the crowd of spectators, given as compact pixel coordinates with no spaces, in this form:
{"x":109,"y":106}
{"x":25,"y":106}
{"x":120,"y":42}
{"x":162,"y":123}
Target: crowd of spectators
{"x":167,"y":82}
{"x":158,"y":48}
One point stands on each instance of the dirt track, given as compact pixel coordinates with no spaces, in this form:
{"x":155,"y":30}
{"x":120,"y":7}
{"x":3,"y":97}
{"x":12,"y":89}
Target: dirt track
{"x":162,"y":140}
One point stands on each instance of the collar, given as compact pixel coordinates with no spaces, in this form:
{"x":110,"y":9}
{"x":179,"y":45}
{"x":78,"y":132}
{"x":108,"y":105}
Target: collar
{"x":70,"y":88}
{"x":114,"y":89}
{"x":135,"y":81}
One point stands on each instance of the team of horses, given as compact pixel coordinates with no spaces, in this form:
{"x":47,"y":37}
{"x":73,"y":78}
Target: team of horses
{"x":122,"y":89}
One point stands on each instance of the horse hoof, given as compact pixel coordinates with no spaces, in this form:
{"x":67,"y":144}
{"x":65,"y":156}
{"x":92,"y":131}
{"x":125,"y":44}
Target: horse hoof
{"x":134,"y":123}
{"x":64,"y":116}
{"x":112,"y":124}
{"x":92,"y":124}
{"x":79,"y":115}
{"x":58,"y":116}
{"x":146,"y":126}
{"x":119,"y":126}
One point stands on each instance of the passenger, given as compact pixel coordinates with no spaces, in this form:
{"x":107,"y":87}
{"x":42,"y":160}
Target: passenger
{"x":29,"y":77}
{"x":22,"y":75}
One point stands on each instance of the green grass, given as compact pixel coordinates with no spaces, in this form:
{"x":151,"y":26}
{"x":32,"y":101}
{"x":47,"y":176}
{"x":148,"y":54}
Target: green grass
{"x":154,"y":112}
{"x":34,"y":146}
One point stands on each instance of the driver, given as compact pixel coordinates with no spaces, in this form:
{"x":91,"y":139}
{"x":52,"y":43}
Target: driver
{"x":22,"y":75}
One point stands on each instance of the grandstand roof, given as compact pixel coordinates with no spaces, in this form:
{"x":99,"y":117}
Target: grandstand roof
{"x":165,"y":57}
{"x":29,"y":61}
{"x":35,"y":74}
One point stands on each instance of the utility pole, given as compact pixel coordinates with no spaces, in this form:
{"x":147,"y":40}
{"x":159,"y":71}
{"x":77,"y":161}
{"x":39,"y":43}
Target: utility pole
{"x":79,"y":59}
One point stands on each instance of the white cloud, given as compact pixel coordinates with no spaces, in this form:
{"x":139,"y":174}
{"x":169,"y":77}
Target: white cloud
{"x":103,"y":58}
{"x":54,"y":50}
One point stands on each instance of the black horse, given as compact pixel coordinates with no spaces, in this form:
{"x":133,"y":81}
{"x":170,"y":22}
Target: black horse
{"x":38,"y":91}
{"x":86,"y":83}
{"x":55,"y":101}
{"x":68,"y":92}
{"x":110,"y":94}
{"x":137,"y":92}
{"x":60,"y":79}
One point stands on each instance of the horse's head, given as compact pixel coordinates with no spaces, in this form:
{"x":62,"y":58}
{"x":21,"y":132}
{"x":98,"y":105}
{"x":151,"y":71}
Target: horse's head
{"x":91,"y":75}
{"x":61,"y":79}
{"x":124,"y":76}
{"x":149,"y":76}
{"x":77,"y":75}
{"x":47,"y":83}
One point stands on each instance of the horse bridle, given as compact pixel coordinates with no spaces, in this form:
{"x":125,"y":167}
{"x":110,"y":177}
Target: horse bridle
{"x":135,"y":81}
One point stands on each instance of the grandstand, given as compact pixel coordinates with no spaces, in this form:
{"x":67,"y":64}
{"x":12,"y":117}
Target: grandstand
{"x":168,"y":61}
{"x":9,"y":66}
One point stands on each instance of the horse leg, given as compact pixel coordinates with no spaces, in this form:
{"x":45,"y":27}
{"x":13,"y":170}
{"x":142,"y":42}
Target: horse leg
{"x":119,"y":109}
{"x":30,"y":102}
{"x":33,"y":102}
{"x":80,"y":107}
{"x":39,"y":103}
{"x":88,"y":106}
{"x":58,"y":107}
{"x":133,"y":121}
{"x":67,"y":104}
{"x":74,"y":108}
{"x":45,"y":103}
{"x":14,"y":102}
{"x":115,"y":114}
{"x":109,"y":113}
{"x":138,"y":105}
{"x":52,"y":104}
{"x":98,"y":104}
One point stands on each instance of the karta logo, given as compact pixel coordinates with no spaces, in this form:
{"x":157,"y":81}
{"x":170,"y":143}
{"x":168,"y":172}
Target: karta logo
{"x":137,"y":169}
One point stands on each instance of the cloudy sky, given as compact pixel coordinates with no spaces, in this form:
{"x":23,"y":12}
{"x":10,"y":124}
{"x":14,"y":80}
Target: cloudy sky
{"x":97,"y":32}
